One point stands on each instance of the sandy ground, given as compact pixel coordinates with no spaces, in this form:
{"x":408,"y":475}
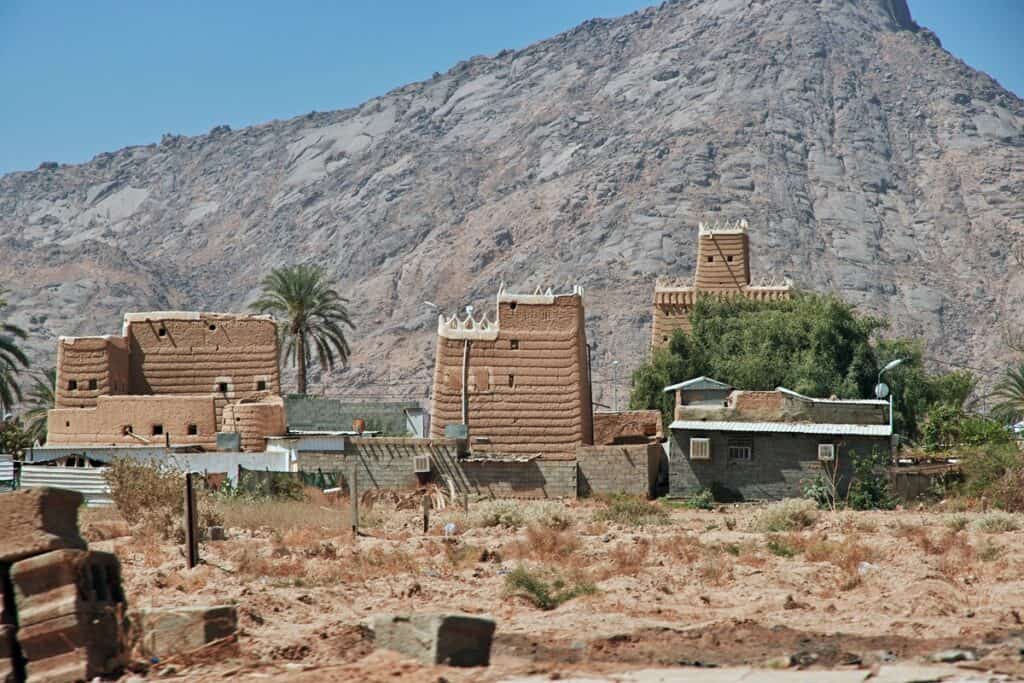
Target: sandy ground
{"x":697,"y":589}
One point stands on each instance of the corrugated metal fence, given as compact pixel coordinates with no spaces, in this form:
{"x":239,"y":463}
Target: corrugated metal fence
{"x":6,"y":472}
{"x":88,"y":481}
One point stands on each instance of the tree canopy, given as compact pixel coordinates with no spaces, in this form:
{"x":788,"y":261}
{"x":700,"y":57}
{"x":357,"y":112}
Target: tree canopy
{"x":815,"y":344}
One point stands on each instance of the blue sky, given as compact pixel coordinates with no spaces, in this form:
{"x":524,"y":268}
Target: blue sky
{"x":78,"y":78}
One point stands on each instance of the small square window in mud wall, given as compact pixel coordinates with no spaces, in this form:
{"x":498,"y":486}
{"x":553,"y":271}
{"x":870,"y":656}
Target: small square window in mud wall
{"x":262,"y":383}
{"x":158,"y":430}
{"x":223,"y":385}
{"x":72,"y":385}
{"x":126,"y":430}
{"x":193,"y":429}
{"x":514,"y":344}
{"x":92,"y":385}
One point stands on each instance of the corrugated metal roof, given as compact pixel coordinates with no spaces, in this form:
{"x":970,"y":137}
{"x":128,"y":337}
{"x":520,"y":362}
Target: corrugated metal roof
{"x":89,"y":481}
{"x":699,"y":383}
{"x":784,"y":427}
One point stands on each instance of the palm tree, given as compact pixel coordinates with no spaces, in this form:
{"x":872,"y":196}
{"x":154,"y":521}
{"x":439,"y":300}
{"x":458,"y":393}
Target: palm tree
{"x":312,"y":314}
{"x":11,"y":357}
{"x":42,"y":399}
{"x":1010,"y":391}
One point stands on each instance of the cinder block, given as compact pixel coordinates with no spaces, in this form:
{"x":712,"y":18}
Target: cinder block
{"x":452,"y":639}
{"x":65,"y":582}
{"x":75,"y":647}
{"x":38,"y":521}
{"x":166,"y":631}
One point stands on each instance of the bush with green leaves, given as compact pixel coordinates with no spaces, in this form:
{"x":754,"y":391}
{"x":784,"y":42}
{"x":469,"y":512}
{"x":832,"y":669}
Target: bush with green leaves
{"x":870,"y":488}
{"x":702,"y":500}
{"x":948,"y":427}
{"x":547,"y":595}
{"x":814,"y":344}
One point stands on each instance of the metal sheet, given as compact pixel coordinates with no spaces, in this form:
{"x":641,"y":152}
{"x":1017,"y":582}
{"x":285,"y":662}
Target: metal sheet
{"x":784,"y":427}
{"x":88,"y":481}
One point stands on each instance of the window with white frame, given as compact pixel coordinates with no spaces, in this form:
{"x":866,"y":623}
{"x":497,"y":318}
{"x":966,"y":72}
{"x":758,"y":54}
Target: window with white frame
{"x":826,"y":452}
{"x":700,"y":449}
{"x":740,"y":450}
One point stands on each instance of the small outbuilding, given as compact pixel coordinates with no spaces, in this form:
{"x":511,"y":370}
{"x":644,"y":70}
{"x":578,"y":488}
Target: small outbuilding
{"x":763,"y":445}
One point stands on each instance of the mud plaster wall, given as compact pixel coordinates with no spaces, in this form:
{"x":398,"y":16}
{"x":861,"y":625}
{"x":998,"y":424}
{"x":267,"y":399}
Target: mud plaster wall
{"x":722,"y":262}
{"x":197,"y":356}
{"x":255,"y":421}
{"x":627,"y":426}
{"x":774,"y":406}
{"x":94,"y":366}
{"x":106,"y":423}
{"x":631,"y":469}
{"x":529,"y":389}
{"x":388,"y":463}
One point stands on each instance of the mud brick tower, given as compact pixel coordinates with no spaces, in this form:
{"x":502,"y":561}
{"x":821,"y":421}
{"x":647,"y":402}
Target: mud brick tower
{"x":526,"y":374}
{"x":723,"y":269}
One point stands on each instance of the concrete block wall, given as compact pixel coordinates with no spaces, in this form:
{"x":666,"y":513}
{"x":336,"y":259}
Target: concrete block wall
{"x":777,"y":468}
{"x":630,"y":469}
{"x":388,"y":463}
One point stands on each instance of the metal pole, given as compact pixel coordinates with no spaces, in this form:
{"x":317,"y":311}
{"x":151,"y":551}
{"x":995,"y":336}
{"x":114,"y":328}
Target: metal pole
{"x":191,"y":537}
{"x":465,"y":384}
{"x":425,"y":504}
{"x":353,"y":490}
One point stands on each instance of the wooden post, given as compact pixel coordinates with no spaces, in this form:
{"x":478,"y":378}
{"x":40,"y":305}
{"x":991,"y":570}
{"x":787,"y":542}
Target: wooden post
{"x":191,"y":535}
{"x":353,"y":492}
{"x":425,"y":503}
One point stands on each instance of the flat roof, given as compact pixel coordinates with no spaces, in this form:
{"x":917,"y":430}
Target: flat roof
{"x":784,"y":427}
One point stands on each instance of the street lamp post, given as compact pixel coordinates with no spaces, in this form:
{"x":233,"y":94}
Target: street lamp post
{"x":889,"y":366}
{"x":615,"y":385}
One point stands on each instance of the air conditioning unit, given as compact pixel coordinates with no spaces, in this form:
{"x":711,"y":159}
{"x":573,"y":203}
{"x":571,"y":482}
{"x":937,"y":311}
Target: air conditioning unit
{"x":826,"y":452}
{"x":421,"y":464}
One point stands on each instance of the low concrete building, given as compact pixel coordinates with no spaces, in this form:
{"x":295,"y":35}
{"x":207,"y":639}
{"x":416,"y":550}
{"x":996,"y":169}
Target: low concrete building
{"x":762,"y":445}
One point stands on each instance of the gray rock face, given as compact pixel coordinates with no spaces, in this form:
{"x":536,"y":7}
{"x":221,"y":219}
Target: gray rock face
{"x":868,"y":160}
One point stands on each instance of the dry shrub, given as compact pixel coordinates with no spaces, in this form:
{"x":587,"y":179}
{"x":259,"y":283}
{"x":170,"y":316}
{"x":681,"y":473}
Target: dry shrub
{"x":632,"y":511}
{"x":545,"y":543}
{"x":957,"y":558}
{"x":791,"y":514}
{"x":283,"y":515}
{"x":997,"y":522}
{"x":846,"y":555}
{"x":684,"y":547}
{"x":715,"y":569}
{"x":102,"y":524}
{"x":629,"y":559}
{"x":923,"y":539}
{"x":152,"y":496}
{"x":987,"y":551}
{"x":957,"y":522}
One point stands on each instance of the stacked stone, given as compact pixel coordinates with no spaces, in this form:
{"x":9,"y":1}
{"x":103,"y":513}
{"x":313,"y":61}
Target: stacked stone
{"x":63,"y":605}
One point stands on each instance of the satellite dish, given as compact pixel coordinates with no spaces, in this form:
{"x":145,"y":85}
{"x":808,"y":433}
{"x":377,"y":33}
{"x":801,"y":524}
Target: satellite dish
{"x":882,"y":390}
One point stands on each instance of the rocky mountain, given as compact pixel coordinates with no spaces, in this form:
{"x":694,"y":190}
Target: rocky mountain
{"x":868,"y":160}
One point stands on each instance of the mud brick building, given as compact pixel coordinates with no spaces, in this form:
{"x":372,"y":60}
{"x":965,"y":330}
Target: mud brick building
{"x":175,"y":377}
{"x":521,"y":381}
{"x":723,"y":269}
{"x":758,"y":445}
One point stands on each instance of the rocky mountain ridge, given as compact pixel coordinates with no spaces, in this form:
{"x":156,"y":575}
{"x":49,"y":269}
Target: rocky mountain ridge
{"x":868,"y":161}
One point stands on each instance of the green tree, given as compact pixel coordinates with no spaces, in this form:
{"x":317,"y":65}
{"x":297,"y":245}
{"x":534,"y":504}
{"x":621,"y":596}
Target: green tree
{"x":1010,"y":393}
{"x":312,"y":315}
{"x":12,"y":359}
{"x":814,"y":344}
{"x":41,"y":398}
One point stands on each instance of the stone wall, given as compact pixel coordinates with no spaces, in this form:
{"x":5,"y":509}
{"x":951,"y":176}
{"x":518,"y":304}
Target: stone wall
{"x":631,"y":469}
{"x":778,"y":464}
{"x":528,"y":376}
{"x":388,"y":463}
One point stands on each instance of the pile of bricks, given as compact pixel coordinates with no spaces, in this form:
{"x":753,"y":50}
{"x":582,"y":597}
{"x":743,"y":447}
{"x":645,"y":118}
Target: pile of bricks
{"x":62,"y":609}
